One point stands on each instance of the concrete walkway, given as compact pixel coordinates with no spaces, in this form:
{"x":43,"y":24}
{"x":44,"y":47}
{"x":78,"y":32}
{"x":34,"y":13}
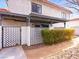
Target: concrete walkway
{"x":12,"y":53}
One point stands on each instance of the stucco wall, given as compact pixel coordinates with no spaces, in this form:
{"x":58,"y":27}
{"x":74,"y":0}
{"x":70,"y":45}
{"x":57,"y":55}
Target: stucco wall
{"x":51,"y":11}
{"x":74,"y":25}
{"x":24,"y":7}
{"x":59,"y":25}
{"x":19,"y":6}
{"x":11,"y":22}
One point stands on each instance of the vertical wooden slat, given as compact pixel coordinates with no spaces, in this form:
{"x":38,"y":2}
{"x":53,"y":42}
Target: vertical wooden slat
{"x":36,"y":36}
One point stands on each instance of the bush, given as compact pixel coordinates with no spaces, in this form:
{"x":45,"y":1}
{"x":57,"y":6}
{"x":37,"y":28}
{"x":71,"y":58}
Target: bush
{"x":55,"y":36}
{"x":47,"y":36}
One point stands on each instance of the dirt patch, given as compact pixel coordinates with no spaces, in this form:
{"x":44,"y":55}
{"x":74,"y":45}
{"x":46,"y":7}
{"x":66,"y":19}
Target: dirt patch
{"x":41,"y":50}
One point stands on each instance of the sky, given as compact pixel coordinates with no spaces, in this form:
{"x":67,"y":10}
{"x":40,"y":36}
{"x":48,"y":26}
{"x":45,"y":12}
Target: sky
{"x":3,"y":4}
{"x":58,"y":2}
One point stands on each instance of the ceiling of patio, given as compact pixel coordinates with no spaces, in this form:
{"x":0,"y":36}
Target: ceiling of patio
{"x":32,"y":17}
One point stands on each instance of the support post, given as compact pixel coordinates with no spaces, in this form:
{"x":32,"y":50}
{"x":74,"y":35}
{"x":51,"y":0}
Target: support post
{"x":26,"y":33}
{"x":51,"y":25}
{"x":64,"y":24}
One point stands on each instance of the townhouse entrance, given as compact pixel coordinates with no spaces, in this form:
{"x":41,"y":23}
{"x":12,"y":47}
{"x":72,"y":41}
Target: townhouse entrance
{"x":11,"y":36}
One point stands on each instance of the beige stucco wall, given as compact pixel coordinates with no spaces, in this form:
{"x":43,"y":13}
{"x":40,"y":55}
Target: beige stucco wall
{"x":72,"y":24}
{"x":52,"y":11}
{"x":24,"y":7}
{"x":75,"y":25}
{"x":11,"y":22}
{"x":19,"y":6}
{"x":59,"y":25}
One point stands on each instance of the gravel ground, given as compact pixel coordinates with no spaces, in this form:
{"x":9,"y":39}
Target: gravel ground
{"x":70,"y":53}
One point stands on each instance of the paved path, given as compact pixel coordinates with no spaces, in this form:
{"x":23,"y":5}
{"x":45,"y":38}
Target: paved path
{"x":12,"y":53}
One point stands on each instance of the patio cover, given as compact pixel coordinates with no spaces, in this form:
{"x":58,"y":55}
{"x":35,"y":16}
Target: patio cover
{"x":47,"y":19}
{"x":33,"y":17}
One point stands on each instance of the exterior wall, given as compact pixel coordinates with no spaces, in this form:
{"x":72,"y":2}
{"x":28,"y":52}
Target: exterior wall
{"x":51,"y":12}
{"x":74,"y":25}
{"x":10,"y":22}
{"x":59,"y":25}
{"x":24,"y":7}
{"x":19,"y":6}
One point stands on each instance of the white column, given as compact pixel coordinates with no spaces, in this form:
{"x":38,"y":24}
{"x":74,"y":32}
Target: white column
{"x":51,"y":26}
{"x":25,"y":35}
{"x":0,"y":37}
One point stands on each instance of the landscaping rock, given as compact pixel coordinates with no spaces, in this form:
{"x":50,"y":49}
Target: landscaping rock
{"x":71,"y":53}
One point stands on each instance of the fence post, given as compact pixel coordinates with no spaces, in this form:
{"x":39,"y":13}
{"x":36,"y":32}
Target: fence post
{"x":25,"y":35}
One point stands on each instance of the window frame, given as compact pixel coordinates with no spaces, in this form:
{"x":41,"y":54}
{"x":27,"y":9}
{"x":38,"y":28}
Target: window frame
{"x":38,"y":5}
{"x":63,"y":15}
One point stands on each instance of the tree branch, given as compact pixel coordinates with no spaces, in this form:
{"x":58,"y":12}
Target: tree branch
{"x":73,"y":4}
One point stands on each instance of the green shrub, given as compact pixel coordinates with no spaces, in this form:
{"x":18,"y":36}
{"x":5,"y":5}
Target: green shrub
{"x":55,"y":36}
{"x":47,"y":37}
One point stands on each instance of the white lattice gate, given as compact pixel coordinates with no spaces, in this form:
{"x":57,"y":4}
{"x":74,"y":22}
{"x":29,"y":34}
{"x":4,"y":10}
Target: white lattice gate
{"x":11,"y":36}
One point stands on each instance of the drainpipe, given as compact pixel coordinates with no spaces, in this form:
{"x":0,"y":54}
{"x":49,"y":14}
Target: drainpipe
{"x":29,"y":18}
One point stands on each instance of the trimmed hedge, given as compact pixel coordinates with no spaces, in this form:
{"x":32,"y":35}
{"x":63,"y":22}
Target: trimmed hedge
{"x":55,"y":36}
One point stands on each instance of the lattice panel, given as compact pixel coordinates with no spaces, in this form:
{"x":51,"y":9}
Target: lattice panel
{"x":11,"y":36}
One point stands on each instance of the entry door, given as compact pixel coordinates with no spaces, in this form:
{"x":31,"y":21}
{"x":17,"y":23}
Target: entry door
{"x":11,"y":36}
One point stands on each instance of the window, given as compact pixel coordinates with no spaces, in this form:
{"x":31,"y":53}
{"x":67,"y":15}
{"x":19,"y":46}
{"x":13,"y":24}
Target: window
{"x":36,"y":8}
{"x":64,"y":15}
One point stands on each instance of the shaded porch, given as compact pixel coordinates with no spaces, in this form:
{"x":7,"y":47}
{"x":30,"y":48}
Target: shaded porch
{"x":30,"y":26}
{"x":30,"y":19}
